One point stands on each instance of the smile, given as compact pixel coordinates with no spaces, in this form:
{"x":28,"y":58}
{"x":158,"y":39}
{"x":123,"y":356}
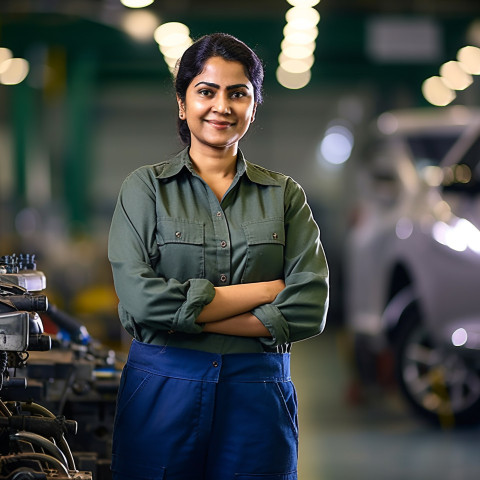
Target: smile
{"x":218,"y":124}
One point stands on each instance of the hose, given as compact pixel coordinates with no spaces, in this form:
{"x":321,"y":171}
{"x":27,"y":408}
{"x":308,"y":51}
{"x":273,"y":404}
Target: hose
{"x":35,"y":408}
{"x":42,"y":442}
{"x":36,"y":456}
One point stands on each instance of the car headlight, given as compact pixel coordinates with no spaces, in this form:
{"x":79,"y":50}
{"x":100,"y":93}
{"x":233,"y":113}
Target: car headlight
{"x":459,"y":234}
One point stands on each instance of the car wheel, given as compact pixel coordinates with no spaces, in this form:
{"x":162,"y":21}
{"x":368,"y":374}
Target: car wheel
{"x":438,"y":383}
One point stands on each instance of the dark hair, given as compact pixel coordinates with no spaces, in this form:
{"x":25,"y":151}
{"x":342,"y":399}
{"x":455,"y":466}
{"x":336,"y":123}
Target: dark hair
{"x":193,"y":62}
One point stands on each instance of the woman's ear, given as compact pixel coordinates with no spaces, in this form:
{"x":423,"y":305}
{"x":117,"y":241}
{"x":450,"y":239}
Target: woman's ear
{"x":254,"y":112}
{"x":181,"y":108}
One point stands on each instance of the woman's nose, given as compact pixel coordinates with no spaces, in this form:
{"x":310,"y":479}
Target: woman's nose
{"x":222,"y":104}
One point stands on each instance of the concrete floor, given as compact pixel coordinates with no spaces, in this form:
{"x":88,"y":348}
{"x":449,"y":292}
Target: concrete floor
{"x":376,"y":439}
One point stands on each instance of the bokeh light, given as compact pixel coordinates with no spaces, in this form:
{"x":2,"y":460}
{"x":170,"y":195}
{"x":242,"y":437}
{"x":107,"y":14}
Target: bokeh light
{"x":436,"y":92}
{"x":13,"y":71}
{"x":140,"y":24}
{"x":173,"y":39}
{"x":454,"y":76}
{"x":298,"y":45}
{"x":303,"y":3}
{"x":137,"y":3}
{"x":293,"y":81}
{"x":469,"y":57}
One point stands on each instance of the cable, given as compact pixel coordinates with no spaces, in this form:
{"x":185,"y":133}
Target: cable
{"x":36,"y":456}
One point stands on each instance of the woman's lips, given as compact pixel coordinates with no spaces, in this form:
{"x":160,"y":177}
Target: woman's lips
{"x":218,"y":124}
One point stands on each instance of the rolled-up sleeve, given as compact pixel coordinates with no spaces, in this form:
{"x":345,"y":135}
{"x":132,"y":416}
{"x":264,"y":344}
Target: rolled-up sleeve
{"x":300,"y":309}
{"x":147,"y":299}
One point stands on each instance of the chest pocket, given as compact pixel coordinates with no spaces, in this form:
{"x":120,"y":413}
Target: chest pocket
{"x":265,"y":250}
{"x":181,"y":245}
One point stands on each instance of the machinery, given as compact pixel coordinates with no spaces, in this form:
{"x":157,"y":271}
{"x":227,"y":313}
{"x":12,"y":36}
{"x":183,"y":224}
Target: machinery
{"x":43,"y":378}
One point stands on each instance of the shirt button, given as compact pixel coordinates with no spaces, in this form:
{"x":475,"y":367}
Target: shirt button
{"x":223,"y":244}
{"x":223,"y":278}
{"x":178,"y":234}
{"x":219,"y":214}
{"x":215,"y":364}
{"x":275,"y":236}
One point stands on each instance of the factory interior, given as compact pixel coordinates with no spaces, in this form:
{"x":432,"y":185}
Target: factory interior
{"x":372,"y":106}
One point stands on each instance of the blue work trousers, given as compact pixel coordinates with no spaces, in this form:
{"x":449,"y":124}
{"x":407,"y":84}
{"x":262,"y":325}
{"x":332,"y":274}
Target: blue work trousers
{"x":191,"y":415}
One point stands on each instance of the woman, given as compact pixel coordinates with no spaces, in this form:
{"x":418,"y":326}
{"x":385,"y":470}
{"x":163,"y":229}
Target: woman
{"x":218,"y":267}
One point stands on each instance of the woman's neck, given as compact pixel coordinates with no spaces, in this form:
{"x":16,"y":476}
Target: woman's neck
{"x":219,"y":163}
{"x":216,"y":167}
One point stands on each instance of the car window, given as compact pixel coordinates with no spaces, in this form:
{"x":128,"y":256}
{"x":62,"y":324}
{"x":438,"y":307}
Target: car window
{"x":429,"y":149}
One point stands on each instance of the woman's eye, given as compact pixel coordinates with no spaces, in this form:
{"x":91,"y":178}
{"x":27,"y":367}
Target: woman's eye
{"x":205,"y":92}
{"x":238,"y":94}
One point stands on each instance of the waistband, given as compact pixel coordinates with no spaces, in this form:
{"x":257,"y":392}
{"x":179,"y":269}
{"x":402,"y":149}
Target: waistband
{"x":186,"y":364}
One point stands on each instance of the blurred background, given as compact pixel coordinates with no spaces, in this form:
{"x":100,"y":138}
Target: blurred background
{"x":369,"y":104}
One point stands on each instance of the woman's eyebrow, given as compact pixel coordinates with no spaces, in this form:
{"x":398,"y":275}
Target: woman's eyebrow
{"x":208,"y":84}
{"x":238,"y":85}
{"x":230,"y":87}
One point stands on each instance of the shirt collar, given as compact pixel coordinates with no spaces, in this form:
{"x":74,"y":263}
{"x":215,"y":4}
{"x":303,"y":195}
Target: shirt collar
{"x":175,"y":165}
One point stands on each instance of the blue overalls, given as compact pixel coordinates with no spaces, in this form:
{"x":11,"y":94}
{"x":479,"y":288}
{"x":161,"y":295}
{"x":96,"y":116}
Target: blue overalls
{"x":191,"y":415}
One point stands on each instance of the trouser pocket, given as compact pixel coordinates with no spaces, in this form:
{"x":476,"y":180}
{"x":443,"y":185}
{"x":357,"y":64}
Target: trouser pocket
{"x":158,"y":422}
{"x":255,"y":431}
{"x":288,"y":399}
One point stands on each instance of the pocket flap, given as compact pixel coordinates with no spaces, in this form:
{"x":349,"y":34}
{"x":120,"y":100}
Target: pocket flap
{"x":265,"y":231}
{"x":176,"y":230}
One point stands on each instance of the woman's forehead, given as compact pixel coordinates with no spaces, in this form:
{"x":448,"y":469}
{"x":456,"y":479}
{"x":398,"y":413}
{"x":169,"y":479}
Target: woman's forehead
{"x":221,"y":71}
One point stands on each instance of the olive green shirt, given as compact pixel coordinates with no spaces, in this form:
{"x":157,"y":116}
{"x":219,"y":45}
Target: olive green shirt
{"x":171,"y":241}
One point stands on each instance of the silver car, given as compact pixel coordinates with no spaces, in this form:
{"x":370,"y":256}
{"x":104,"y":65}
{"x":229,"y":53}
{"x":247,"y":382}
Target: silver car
{"x":413,"y":258}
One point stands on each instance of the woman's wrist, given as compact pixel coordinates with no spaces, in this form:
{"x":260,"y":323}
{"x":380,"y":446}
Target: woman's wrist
{"x":244,"y":325}
{"x":273,"y":288}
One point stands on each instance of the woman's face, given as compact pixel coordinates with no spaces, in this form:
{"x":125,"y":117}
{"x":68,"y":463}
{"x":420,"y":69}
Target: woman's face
{"x":219,"y":104}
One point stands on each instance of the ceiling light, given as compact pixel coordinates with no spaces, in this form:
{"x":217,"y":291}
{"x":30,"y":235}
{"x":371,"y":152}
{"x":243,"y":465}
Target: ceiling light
{"x":5,"y":54}
{"x":173,"y":39}
{"x":302,"y":18}
{"x":175,"y":51}
{"x":454,"y":76}
{"x":136,"y":3}
{"x":140,"y":24}
{"x":298,"y":51}
{"x":13,"y":71}
{"x":295,"y":65}
{"x":303,"y":3}
{"x":171,"y":29}
{"x":289,"y":29}
{"x":293,"y":80}
{"x":298,"y":38}
{"x":469,"y":57}
{"x":436,"y":92}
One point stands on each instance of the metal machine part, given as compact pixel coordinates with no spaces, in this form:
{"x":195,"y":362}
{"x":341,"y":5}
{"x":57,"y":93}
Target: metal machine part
{"x":33,"y":441}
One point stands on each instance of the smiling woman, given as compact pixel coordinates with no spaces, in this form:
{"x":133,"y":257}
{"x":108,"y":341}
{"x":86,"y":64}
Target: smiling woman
{"x":218,"y":107}
{"x":218,"y":266}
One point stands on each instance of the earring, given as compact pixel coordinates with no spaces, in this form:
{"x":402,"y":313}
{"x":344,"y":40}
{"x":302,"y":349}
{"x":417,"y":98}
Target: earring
{"x":181,"y":115}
